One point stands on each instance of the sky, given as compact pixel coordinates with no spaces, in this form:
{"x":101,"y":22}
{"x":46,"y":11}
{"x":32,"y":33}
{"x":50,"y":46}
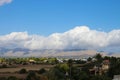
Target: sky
{"x":45,"y":17}
{"x":60,"y":24}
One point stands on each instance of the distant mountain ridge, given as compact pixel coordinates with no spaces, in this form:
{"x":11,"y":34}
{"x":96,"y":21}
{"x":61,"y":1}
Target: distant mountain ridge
{"x":23,"y":52}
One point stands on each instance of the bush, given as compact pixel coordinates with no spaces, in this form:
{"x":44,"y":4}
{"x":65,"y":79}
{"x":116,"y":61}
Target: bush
{"x":41,"y":71}
{"x":32,"y":76}
{"x":12,"y":78}
{"x":3,"y":78}
{"x":23,"y":71}
{"x":3,"y":66}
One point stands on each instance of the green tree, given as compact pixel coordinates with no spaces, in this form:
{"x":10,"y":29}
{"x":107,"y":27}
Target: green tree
{"x":32,"y":76}
{"x":98,"y":56}
{"x":114,"y":67}
{"x":89,"y":59}
{"x":3,"y":66}
{"x":3,"y":78}
{"x":41,"y":71}
{"x":55,"y":74}
{"x":23,"y":71}
{"x":12,"y":78}
{"x":62,"y":67}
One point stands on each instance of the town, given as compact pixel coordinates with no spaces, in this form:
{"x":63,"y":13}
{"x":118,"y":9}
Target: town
{"x":43,"y":68}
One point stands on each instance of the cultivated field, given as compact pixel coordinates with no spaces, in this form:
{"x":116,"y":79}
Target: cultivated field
{"x":27,"y":67}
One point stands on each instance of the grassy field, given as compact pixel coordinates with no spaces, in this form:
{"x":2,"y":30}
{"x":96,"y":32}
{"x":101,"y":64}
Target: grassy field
{"x":27,"y":67}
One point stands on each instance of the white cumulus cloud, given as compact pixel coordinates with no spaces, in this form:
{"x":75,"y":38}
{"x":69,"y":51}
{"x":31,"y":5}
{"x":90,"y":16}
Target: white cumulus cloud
{"x":81,"y":37}
{"x":2,"y":2}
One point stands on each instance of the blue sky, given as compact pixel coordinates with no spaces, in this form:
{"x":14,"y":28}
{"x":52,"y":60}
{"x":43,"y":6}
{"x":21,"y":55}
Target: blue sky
{"x":45,"y":17}
{"x":60,"y":24}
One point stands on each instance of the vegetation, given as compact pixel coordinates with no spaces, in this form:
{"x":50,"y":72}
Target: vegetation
{"x":42,"y":71}
{"x":32,"y":76}
{"x":23,"y":71}
{"x":67,"y":70}
{"x":12,"y":78}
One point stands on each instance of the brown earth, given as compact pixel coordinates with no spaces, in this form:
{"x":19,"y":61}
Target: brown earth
{"x":27,"y":67}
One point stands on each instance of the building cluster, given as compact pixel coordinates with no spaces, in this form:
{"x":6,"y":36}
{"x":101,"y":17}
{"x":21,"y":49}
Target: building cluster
{"x":100,"y":68}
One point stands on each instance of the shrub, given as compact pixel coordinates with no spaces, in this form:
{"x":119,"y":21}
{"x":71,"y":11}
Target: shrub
{"x":4,"y":66}
{"x":23,"y":71}
{"x":41,"y":71}
{"x":3,"y":78}
{"x":12,"y":78}
{"x":32,"y":76}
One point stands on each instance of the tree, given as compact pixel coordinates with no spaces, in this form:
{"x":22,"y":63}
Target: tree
{"x":89,"y":59}
{"x":12,"y":78}
{"x":32,"y":76}
{"x":99,"y":58}
{"x":3,"y":78}
{"x":41,"y":71}
{"x":4,"y":66}
{"x":114,"y":68}
{"x":62,"y":67}
{"x":55,"y":74}
{"x":23,"y":71}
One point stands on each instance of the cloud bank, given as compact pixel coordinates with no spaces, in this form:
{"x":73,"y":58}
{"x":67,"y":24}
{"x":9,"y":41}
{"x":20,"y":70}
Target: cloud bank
{"x":2,"y":2}
{"x":81,"y":37}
